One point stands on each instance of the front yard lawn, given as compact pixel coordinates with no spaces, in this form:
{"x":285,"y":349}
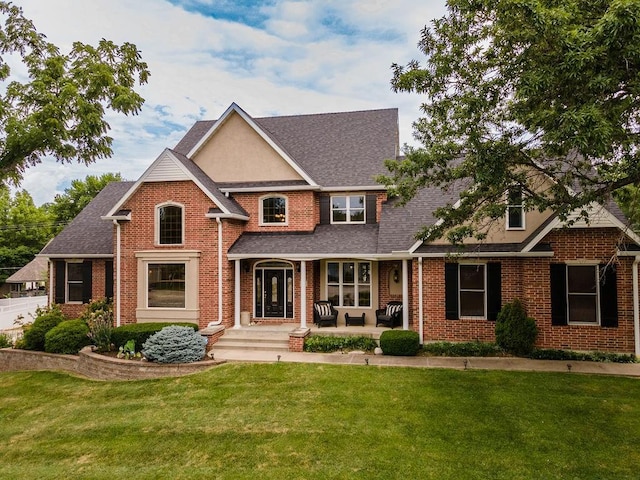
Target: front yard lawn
{"x":299,"y":421}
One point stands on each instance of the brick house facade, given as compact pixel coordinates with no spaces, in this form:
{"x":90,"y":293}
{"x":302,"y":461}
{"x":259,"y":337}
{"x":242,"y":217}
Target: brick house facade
{"x":261,"y":217}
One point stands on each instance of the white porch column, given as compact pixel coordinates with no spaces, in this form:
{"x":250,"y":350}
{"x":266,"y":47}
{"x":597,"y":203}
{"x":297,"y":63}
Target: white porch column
{"x":405,"y":294}
{"x":420,"y":305}
{"x":303,"y":294}
{"x":636,"y":306}
{"x":236,"y":303}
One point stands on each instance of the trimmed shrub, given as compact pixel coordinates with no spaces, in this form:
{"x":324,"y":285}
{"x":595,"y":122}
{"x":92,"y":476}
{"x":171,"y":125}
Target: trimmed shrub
{"x":462,"y":349}
{"x":327,"y":344}
{"x":140,"y":332}
{"x":5,"y":341}
{"x":552,"y":354}
{"x":175,"y":344}
{"x":45,"y":320}
{"x":400,"y":342}
{"x":68,"y":337}
{"x":515,"y":332}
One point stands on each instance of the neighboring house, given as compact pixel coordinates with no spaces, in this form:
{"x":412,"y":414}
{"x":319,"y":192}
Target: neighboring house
{"x":268,"y":215}
{"x":30,"y":279}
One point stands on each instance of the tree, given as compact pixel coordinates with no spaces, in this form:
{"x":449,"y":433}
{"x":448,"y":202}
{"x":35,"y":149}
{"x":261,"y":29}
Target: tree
{"x":60,"y":109}
{"x":67,"y":206}
{"x":516,"y":91}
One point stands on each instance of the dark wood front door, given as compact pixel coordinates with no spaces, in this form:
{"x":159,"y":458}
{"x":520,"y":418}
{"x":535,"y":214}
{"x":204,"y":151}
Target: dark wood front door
{"x":274,"y":293}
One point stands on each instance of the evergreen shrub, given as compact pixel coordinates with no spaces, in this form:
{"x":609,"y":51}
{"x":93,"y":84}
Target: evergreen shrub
{"x":68,"y":337}
{"x":400,"y":342}
{"x":34,"y":335}
{"x":462,"y":349}
{"x":140,"y":332}
{"x":515,"y":332}
{"x":175,"y":344}
{"x":327,"y":344}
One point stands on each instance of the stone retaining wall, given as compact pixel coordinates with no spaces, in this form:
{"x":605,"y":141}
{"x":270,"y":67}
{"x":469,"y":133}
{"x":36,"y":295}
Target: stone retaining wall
{"x":96,"y":366}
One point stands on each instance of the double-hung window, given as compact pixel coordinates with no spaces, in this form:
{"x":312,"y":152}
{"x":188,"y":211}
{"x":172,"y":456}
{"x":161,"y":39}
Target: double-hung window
{"x":170,"y":224}
{"x":515,"y":209}
{"x":273,"y":210}
{"x":349,"y":284}
{"x":75,"y":282}
{"x":582,"y":293}
{"x":473,"y":292}
{"x":348,"y":209}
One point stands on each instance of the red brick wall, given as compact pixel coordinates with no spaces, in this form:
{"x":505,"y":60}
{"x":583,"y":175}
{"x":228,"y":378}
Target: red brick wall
{"x":528,"y":280}
{"x":303,"y":211}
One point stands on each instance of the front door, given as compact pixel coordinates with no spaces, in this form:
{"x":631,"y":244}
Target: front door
{"x":274,"y":291}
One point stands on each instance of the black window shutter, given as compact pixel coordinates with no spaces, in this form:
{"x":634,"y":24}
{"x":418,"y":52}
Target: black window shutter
{"x":494,"y":290}
{"x":60,"y":287}
{"x":108,"y":279}
{"x":325,"y":210}
{"x":371,"y":208}
{"x":451,"y":291}
{"x":558,"y":283}
{"x":86,"y":281}
{"x":608,"y":296}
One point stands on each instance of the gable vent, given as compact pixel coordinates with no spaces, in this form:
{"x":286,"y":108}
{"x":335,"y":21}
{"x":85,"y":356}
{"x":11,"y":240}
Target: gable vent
{"x":166,"y":169}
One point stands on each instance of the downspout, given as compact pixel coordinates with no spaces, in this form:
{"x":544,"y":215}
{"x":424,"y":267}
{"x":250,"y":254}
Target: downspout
{"x":420,"y":306}
{"x":636,"y":306}
{"x":220,"y":277}
{"x":117,"y":225}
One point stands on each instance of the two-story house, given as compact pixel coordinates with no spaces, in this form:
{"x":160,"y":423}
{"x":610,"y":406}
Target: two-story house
{"x":269,"y":215}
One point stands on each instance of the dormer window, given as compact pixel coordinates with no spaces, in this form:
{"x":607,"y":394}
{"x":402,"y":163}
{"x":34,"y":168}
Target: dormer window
{"x":274,"y":210}
{"x":170,"y":224}
{"x":515,"y":209}
{"x":348,"y":209}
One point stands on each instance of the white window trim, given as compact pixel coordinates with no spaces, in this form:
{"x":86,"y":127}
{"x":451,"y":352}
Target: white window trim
{"x":523,"y":213}
{"x":356,"y":283}
{"x":261,"y":221}
{"x":75,"y":282}
{"x":157,"y":224}
{"x":348,"y":221}
{"x":472,"y":317}
{"x":597,"y":280}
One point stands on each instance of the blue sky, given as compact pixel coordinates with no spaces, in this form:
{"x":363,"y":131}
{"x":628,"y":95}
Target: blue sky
{"x":271,"y":57}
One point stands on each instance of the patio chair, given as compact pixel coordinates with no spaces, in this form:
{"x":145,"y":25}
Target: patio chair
{"x":390,"y":316}
{"x":324,"y":314}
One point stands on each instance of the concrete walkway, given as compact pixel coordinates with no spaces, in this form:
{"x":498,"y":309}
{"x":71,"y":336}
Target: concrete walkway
{"x":460,"y":363}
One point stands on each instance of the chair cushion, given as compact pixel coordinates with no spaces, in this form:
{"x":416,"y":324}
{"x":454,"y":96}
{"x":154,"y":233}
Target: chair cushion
{"x":323,"y":309}
{"x":393,"y":309}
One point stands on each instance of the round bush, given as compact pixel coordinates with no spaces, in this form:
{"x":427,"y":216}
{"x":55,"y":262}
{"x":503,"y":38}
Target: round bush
{"x":400,"y":342}
{"x":140,"y":332}
{"x":34,"y":335}
{"x":175,"y":344}
{"x":515,"y":332}
{"x":68,"y":337}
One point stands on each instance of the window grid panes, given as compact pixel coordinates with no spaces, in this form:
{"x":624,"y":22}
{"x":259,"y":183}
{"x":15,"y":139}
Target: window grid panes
{"x":349,"y":284}
{"x":166,"y":285}
{"x":582,"y":293}
{"x":170,"y":225}
{"x":274,"y":210}
{"x":472,"y":291}
{"x":74,"y":282}
{"x":515,"y":209}
{"x":348,"y":209}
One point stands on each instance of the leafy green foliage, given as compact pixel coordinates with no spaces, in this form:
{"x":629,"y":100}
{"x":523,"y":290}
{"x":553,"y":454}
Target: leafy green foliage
{"x":628,"y":197}
{"x":400,"y":342}
{"x":327,"y":344}
{"x":60,"y":108}
{"x":515,"y":332}
{"x":66,"y":206}
{"x":553,"y":354}
{"x":34,"y":335}
{"x":128,"y":351}
{"x":518,"y":92}
{"x":99,"y":318}
{"x":462,"y":349}
{"x":5,"y":341}
{"x":68,"y":337}
{"x":140,"y":332}
{"x":175,"y":344}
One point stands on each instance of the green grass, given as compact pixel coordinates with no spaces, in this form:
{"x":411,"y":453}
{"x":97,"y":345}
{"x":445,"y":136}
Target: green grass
{"x":297,"y":421}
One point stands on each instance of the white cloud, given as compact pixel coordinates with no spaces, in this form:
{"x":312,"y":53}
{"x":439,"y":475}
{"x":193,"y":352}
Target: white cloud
{"x":297,"y":57}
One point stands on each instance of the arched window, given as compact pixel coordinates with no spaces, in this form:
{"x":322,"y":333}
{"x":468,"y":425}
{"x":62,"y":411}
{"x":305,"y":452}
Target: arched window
{"x":273,"y":210}
{"x":170,"y":224}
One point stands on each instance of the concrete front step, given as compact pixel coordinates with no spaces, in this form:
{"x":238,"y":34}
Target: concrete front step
{"x":254,"y":339}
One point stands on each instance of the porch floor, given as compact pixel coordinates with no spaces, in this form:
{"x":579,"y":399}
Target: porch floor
{"x":339,"y":331}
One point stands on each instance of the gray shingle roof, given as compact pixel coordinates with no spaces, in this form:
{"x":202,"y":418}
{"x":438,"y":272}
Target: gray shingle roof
{"x":354,"y":240}
{"x":88,"y":234}
{"x":34,"y":271}
{"x":336,"y":149}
